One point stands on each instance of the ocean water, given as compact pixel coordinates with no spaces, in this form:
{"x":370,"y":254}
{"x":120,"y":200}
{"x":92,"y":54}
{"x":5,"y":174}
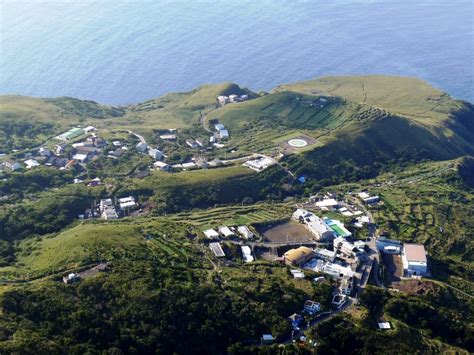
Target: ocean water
{"x":119,"y":52}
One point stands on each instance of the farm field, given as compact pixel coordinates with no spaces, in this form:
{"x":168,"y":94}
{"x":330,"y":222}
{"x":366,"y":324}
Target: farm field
{"x":235,"y":215}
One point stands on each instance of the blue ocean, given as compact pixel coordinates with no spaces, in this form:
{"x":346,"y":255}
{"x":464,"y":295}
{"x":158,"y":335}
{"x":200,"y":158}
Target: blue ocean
{"x":121,"y":52}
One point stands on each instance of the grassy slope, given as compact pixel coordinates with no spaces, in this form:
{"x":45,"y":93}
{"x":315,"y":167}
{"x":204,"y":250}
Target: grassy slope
{"x":369,"y":114}
{"x":404,"y":96}
{"x":179,"y":110}
{"x":289,"y":109}
{"x":75,"y":246}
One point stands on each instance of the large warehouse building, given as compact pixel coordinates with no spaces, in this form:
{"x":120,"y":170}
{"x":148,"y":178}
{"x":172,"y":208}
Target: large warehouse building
{"x":414,"y":259}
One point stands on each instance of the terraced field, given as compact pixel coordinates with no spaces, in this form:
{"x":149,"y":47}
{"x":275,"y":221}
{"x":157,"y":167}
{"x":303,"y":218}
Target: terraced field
{"x":234,"y":215}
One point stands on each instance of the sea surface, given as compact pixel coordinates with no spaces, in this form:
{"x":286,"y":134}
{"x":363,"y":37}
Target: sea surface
{"x":120,"y":52}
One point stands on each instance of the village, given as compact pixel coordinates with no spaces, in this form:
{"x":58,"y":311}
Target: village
{"x":312,"y":242}
{"x":324,"y":250}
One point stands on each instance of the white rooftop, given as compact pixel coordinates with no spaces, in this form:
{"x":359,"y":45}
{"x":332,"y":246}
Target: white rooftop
{"x":211,"y":233}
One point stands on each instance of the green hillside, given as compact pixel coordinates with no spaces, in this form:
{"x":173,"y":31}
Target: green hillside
{"x":179,"y":110}
{"x":401,"y":95}
{"x":287,"y":109}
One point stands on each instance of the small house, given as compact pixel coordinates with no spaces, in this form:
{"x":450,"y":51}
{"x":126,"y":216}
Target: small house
{"x":191,"y":143}
{"x":12,"y":165}
{"x":295,"y":320}
{"x":245,"y":232}
{"x":312,"y":307}
{"x":155,"y":153}
{"x":211,"y":233}
{"x":127,"y":203}
{"x":71,"y":278}
{"x":161,"y":165}
{"x":267,"y":339}
{"x":225,"y":231}
{"x":81,"y":158}
{"x":224,"y":134}
{"x":44,"y":152}
{"x":219,"y":127}
{"x":141,"y":147}
{"x":60,"y":148}
{"x":31,"y":163}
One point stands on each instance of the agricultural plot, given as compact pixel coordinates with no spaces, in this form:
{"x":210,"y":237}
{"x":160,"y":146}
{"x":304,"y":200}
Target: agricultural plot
{"x":234,"y":215}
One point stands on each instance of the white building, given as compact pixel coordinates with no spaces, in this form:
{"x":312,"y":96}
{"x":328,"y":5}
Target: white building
{"x":217,"y":249}
{"x":259,"y":164}
{"x":107,"y":209}
{"x":168,"y":137}
{"x":89,"y":129}
{"x":45,"y":152}
{"x":312,"y":307}
{"x":224,"y":134}
{"x":155,"y":153}
{"x":316,"y":225}
{"x":335,"y":271}
{"x":245,"y":232}
{"x":414,"y":259}
{"x":161,"y":165}
{"x":325,"y":254}
{"x":218,"y":127}
{"x":234,"y":98}
{"x":31,"y":163}
{"x":225,"y":231}
{"x":127,"y":202}
{"x":367,"y":199}
{"x":142,"y":147}
{"x":247,"y":253}
{"x":12,"y":165}
{"x":328,"y":203}
{"x":346,"y":248}
{"x":192,"y":143}
{"x":211,"y":233}
{"x":222,"y":99}
{"x":81,"y":158}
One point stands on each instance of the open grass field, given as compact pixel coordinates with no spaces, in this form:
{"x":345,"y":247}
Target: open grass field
{"x":405,"y":96}
{"x":84,"y":243}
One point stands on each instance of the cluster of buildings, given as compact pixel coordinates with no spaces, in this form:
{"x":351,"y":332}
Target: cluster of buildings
{"x":228,"y":232}
{"x":81,"y":152}
{"x":323,"y":229}
{"x":223,"y":100}
{"x":109,"y":210}
{"x":339,"y":263}
{"x":43,"y":156}
{"x":221,"y":133}
{"x":328,"y":202}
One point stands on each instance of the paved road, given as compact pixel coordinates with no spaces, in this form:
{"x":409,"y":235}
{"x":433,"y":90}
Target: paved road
{"x":142,"y":140}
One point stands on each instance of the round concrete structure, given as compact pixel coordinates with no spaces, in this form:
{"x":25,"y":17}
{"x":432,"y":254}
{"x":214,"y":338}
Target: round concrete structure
{"x":297,"y":143}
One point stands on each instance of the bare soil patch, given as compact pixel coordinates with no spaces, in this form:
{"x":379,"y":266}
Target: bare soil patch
{"x":287,"y":232}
